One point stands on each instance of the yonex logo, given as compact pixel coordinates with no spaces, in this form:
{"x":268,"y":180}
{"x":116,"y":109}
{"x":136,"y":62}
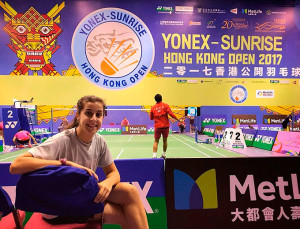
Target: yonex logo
{"x":191,"y":194}
{"x":206,"y":120}
{"x":11,"y":125}
{"x":113,"y":48}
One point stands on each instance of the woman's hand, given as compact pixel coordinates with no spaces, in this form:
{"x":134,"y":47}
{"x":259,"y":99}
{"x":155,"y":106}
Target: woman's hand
{"x":105,"y":187}
{"x":104,"y":190}
{"x":90,"y":171}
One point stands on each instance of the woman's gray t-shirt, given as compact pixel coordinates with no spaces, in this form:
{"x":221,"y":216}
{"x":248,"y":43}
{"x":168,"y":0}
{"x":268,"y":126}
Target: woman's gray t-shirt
{"x":67,"y":145}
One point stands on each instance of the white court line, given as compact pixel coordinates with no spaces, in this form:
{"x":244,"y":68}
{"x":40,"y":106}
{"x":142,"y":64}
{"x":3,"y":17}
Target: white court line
{"x":130,"y":138}
{"x":191,"y":146}
{"x":205,"y":147}
{"x":9,"y":157}
{"x":120,"y":153}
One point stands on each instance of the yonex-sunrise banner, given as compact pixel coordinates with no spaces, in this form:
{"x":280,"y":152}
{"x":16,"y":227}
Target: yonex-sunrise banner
{"x":190,"y":39}
{"x":233,"y":192}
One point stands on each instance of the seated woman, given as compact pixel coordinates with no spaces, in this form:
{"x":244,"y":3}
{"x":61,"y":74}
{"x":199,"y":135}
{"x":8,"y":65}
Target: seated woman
{"x":82,"y":147}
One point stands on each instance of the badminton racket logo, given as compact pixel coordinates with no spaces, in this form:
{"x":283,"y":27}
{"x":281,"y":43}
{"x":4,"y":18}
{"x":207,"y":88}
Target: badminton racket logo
{"x":195,"y":194}
{"x":113,"y":48}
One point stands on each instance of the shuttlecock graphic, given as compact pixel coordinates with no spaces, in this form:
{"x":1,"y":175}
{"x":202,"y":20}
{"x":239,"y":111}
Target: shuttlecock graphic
{"x":114,"y":51}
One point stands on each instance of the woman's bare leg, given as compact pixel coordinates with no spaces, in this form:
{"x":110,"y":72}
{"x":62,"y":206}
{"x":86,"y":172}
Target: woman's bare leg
{"x":131,"y":206}
{"x":112,"y":214}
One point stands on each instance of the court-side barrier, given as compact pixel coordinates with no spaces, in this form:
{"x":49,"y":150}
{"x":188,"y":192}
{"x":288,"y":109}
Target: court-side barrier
{"x":130,"y":129}
{"x":233,"y":192}
{"x":264,"y":139}
{"x":147,"y":175}
{"x":209,"y":192}
{"x":284,"y":142}
{"x":249,"y":135}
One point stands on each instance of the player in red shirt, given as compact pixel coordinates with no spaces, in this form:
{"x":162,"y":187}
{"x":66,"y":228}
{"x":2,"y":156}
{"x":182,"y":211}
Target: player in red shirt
{"x":159,"y":113}
{"x":125,"y":122}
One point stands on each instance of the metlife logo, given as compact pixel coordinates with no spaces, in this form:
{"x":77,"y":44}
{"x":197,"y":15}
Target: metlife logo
{"x":252,"y":12}
{"x":276,"y":188}
{"x":195,"y":194}
{"x":265,"y":93}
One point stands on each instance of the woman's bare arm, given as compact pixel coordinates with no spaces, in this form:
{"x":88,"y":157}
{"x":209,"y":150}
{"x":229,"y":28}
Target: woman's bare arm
{"x":27,"y":163}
